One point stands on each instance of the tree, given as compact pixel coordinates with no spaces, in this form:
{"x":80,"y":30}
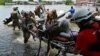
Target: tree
{"x":8,"y":1}
{"x":69,"y":2}
{"x":4,"y":1}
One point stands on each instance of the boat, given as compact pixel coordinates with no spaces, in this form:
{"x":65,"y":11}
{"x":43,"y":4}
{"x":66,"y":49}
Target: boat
{"x":7,"y":20}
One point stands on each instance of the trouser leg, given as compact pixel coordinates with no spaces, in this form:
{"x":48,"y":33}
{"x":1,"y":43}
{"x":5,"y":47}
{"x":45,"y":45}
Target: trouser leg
{"x":26,"y":36}
{"x":18,"y":26}
{"x":14,"y":26}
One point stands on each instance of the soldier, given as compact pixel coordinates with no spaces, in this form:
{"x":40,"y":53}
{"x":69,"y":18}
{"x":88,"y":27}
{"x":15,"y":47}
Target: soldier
{"x":51,"y":18}
{"x":27,"y":24}
{"x":15,"y":18}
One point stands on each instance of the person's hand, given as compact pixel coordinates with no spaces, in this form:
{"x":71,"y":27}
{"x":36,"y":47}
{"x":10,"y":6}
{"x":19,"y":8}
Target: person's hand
{"x":34,"y":29}
{"x":94,"y":13}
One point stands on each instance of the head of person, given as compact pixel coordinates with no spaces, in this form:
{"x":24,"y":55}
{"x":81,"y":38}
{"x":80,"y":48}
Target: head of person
{"x":83,"y":18}
{"x":39,"y":6}
{"x":22,"y":12}
{"x":54,"y":13}
{"x":31,"y":14}
{"x":26,"y":15}
{"x":15,"y":8}
{"x":47,"y":9}
{"x":71,"y":7}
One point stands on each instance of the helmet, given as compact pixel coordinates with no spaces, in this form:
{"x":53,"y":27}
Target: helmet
{"x":15,"y":8}
{"x":71,"y":7}
{"x":26,"y":14}
{"x":81,"y":14}
{"x":53,"y":11}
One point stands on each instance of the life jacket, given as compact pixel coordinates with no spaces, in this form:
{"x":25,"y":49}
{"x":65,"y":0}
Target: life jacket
{"x":14,"y":15}
{"x":28,"y":23}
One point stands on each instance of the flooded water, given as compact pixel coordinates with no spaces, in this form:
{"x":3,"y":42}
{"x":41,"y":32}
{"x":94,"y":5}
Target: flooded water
{"x":11,"y":42}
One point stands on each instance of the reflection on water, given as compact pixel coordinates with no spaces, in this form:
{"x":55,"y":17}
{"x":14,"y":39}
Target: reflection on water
{"x":27,"y":51}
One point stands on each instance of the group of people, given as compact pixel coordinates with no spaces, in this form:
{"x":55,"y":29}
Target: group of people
{"x":88,"y":39}
{"x":24,"y":21}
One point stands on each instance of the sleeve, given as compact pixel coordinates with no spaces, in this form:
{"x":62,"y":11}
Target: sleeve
{"x":47,"y":19}
{"x":34,"y":21}
{"x":81,"y":42}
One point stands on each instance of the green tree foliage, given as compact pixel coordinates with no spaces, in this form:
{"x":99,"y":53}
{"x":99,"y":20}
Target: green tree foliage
{"x":4,"y":1}
{"x":69,"y":2}
{"x":8,"y":1}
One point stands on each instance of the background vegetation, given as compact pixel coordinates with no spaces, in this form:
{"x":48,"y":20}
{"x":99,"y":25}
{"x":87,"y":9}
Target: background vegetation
{"x":3,"y":1}
{"x":67,"y":2}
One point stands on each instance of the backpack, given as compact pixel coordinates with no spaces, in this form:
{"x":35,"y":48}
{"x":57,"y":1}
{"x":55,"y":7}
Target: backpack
{"x":14,"y":15}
